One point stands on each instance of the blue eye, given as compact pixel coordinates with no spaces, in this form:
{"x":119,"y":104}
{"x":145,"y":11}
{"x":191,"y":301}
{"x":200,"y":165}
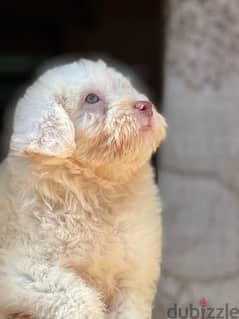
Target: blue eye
{"x":92,"y":98}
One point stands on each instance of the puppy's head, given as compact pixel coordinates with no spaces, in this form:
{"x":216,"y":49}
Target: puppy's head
{"x":90,"y":112}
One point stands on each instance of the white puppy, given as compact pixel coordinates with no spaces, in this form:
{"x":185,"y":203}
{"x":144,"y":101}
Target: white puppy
{"x":79,"y":212}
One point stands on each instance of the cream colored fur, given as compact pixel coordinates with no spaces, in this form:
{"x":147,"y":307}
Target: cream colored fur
{"x":80,"y":232}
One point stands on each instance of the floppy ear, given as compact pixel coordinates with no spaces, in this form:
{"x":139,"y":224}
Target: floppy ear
{"x":41,"y":125}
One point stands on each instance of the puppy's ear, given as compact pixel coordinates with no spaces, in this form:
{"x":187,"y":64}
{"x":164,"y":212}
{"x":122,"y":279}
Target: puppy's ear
{"x":41,"y":125}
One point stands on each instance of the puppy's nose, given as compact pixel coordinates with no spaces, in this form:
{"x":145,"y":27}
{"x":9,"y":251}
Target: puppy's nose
{"x":144,"y":107}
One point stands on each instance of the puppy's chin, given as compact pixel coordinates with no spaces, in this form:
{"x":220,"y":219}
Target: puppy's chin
{"x":139,"y":133}
{"x":127,"y":142}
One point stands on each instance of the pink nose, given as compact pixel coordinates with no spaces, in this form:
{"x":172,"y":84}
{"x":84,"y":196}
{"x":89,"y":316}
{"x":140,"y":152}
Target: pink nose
{"x":144,"y":107}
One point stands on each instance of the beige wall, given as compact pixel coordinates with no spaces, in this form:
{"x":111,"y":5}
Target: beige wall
{"x":199,"y":174}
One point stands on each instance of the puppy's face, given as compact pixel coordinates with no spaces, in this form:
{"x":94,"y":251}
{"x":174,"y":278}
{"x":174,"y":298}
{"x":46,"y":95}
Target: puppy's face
{"x":88,"y":111}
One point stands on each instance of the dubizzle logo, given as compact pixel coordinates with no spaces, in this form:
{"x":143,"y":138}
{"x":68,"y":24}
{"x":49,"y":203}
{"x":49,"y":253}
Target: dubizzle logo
{"x":203,"y":311}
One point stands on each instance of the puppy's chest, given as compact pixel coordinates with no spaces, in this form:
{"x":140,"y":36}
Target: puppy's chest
{"x":102,"y":261}
{"x":84,"y":232}
{"x":100,"y":244}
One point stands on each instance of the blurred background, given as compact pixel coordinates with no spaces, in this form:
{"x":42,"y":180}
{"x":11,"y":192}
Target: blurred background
{"x":187,"y":53}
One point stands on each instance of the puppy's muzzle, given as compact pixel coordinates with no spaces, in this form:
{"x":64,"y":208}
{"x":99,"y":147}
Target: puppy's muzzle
{"x":144,"y":114}
{"x":144,"y":107}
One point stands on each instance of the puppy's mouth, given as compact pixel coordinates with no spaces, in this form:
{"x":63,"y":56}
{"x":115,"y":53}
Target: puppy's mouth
{"x":145,"y":122}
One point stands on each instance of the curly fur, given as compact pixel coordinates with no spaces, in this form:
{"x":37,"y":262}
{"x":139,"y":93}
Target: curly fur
{"x":80,"y":232}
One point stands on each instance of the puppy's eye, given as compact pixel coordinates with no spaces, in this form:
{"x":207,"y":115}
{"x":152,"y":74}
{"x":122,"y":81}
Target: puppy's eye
{"x":92,"y":98}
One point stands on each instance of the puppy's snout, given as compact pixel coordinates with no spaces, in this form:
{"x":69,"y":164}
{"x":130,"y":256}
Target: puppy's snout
{"x":144,"y":107}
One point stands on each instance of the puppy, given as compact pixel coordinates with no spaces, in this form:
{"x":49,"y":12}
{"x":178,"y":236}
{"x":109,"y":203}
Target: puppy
{"x":80,"y":230}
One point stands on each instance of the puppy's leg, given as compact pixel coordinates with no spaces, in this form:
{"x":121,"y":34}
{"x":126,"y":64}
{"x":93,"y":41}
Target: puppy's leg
{"x":46,"y":292}
{"x":131,"y":305}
